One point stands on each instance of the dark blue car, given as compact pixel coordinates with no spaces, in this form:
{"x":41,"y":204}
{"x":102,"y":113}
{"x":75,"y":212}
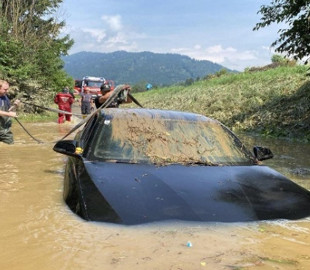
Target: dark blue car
{"x":132,"y":166}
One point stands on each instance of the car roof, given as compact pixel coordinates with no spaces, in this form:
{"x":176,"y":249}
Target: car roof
{"x":154,"y":113}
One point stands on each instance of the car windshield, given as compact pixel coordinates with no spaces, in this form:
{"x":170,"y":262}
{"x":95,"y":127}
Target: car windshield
{"x":93,"y":84}
{"x":168,"y":141}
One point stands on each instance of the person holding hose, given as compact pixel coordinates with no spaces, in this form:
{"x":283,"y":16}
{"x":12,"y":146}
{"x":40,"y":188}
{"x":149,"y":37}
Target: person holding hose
{"x":106,"y":92}
{"x":6,"y":113}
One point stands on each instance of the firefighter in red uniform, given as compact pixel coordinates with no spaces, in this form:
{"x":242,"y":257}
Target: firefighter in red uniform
{"x":64,"y":101}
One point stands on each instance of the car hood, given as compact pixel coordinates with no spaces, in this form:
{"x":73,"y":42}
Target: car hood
{"x":145,"y":193}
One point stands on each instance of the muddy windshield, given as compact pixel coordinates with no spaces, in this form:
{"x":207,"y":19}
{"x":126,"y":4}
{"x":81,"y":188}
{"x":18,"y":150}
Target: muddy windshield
{"x":168,"y":141}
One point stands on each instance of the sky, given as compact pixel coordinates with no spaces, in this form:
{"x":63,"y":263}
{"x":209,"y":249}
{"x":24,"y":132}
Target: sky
{"x":220,"y":31}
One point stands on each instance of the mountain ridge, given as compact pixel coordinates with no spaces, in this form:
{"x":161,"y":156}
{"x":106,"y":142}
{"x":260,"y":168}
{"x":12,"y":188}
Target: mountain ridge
{"x":134,"y":67}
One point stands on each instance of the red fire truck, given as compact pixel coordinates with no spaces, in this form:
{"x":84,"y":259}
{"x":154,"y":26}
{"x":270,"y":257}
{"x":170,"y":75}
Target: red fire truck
{"x":92,"y":84}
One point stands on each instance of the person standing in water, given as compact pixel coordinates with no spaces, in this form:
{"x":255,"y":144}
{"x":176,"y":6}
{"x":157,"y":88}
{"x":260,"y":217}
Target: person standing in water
{"x":86,"y":102}
{"x":64,"y":101}
{"x":6,"y":114}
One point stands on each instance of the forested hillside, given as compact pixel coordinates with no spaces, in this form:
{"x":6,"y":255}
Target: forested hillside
{"x":126,"y":67}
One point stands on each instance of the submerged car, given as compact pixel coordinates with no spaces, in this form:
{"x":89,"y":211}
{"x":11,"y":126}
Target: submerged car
{"x":133,"y":166}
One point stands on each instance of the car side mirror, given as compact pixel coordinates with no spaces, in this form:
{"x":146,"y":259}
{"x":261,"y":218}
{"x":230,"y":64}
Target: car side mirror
{"x":262,"y":153}
{"x":67,"y":147}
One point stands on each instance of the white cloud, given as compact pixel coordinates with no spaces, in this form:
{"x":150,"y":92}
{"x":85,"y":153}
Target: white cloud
{"x":112,"y":36}
{"x":97,"y":34}
{"x":266,"y":48}
{"x":114,"y":22}
{"x":220,"y":55}
{"x":119,"y":38}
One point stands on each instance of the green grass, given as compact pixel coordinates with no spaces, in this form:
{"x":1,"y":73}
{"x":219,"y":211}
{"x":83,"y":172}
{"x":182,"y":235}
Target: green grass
{"x":275,"y":102}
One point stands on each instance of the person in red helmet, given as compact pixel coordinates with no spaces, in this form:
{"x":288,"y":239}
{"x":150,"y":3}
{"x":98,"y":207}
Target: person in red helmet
{"x":64,"y":101}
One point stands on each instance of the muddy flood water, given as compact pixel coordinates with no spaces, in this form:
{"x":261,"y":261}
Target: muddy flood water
{"x":38,"y":231}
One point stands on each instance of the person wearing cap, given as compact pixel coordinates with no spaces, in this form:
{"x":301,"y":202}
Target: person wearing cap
{"x":6,"y":113}
{"x":106,"y":92}
{"x":64,"y":100}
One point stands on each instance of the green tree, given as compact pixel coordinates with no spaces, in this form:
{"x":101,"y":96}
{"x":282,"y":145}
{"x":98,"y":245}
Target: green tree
{"x":31,"y":45}
{"x":276,"y":58}
{"x":295,"y":39}
{"x":189,"y":81}
{"x":139,"y":86}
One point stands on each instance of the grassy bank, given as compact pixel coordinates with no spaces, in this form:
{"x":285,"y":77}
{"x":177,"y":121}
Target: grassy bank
{"x":275,"y":102}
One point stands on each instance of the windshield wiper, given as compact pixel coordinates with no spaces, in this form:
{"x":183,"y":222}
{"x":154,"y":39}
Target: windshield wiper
{"x":203,"y":163}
